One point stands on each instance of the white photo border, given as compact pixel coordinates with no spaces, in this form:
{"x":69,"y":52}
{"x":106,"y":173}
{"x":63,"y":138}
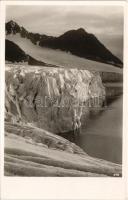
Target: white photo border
{"x":45,"y":188}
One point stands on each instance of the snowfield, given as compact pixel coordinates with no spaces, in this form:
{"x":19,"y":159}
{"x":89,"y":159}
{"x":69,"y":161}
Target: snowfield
{"x":61,"y":58}
{"x":28,"y":158}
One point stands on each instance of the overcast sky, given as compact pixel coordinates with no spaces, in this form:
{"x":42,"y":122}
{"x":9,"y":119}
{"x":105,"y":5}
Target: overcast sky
{"x":106,"y":22}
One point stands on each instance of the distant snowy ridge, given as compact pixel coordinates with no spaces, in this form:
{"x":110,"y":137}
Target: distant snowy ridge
{"x":59,"y":58}
{"x":78,"y":42}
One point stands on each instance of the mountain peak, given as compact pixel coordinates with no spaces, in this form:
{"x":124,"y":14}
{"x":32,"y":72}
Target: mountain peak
{"x":75,"y":33}
{"x":76,"y":41}
{"x":81,"y":30}
{"x":12,"y":23}
{"x":12,"y":27}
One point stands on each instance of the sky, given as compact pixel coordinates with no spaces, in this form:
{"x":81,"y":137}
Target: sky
{"x":106,"y":22}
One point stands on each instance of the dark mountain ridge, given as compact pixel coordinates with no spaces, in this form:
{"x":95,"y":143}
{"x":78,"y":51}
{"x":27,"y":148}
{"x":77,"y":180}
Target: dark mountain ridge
{"x":13,"y":28}
{"x":14,"y":53}
{"x":78,"y":42}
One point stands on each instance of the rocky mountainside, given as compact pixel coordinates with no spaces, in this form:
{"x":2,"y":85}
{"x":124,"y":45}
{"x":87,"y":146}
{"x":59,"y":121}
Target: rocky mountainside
{"x":14,"y":53}
{"x":82,"y":44}
{"x":77,"y":42}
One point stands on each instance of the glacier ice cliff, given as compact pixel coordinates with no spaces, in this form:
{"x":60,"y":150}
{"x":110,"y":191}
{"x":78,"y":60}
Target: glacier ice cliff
{"x":51,"y":98}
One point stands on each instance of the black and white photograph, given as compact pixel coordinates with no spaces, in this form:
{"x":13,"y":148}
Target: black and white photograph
{"x":63,"y":91}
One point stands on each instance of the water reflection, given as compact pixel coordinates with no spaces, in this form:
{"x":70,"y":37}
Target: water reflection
{"x":102,"y":135}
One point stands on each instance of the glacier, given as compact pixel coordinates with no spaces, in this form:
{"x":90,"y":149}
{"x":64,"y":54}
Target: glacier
{"x":50,"y":98}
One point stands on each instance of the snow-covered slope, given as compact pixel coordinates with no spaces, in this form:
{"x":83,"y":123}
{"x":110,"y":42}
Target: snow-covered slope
{"x":78,"y":42}
{"x":30,"y":151}
{"x":59,"y":58}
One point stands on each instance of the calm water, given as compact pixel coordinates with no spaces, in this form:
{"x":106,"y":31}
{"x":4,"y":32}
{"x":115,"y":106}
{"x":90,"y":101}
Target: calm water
{"x":102,"y":136}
